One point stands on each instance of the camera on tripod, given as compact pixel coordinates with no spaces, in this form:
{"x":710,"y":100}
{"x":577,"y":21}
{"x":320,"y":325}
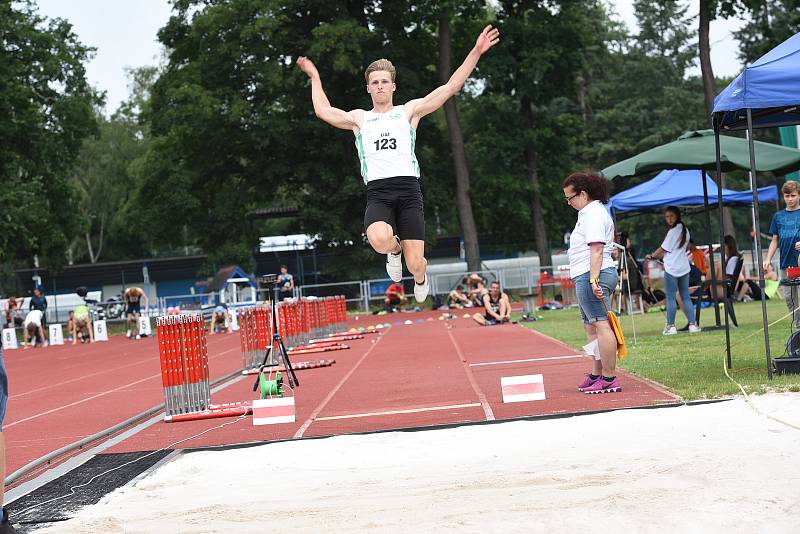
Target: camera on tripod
{"x":276,"y":345}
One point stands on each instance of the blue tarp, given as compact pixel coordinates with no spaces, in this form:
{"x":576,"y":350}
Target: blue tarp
{"x":682,"y":188}
{"x":770,"y":87}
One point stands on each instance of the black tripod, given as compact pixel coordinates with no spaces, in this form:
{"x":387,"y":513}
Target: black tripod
{"x":283,"y":354}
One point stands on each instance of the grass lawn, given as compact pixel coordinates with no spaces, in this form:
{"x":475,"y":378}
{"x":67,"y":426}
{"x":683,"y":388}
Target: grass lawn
{"x":692,"y":365}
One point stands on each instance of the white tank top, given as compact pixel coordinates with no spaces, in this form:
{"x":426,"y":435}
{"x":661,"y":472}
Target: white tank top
{"x":385,"y":145}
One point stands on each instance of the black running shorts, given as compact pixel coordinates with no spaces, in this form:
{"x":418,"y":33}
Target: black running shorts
{"x":398,"y":202}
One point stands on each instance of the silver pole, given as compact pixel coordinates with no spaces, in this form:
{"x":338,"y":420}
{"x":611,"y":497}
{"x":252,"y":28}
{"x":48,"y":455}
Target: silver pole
{"x":757,"y":228}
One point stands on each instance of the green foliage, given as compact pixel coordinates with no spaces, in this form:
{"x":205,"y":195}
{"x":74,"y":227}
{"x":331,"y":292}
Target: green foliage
{"x":770,"y":24}
{"x":47,"y":107}
{"x":638,"y":91}
{"x":226,"y":126}
{"x":104,"y":182}
{"x":233,"y":126}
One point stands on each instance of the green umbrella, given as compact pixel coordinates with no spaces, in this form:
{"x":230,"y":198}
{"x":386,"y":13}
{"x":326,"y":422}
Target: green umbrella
{"x":695,"y":150}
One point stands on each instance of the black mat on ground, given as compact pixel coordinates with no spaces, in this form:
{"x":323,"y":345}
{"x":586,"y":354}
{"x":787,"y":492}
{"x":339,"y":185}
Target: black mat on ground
{"x":64,"y":508}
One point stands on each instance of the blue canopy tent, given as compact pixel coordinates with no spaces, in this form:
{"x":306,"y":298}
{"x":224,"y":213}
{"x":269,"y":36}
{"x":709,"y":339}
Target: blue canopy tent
{"x":769,"y":88}
{"x":766,"y":94}
{"x":682,"y":189}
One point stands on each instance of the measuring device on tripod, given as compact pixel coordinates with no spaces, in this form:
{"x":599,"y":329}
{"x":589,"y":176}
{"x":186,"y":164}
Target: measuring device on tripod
{"x":270,"y":388}
{"x":790,"y":362}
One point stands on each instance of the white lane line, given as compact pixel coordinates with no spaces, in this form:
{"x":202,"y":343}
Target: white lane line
{"x":528,"y":360}
{"x":395,"y":412}
{"x":101,"y":394}
{"x":487,"y":409}
{"x":321,"y":405}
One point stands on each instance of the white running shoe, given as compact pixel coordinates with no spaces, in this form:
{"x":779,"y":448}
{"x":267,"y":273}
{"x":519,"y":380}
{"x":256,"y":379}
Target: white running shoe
{"x":394,"y":264}
{"x":421,"y":290}
{"x":138,"y":336}
{"x":670,"y":330}
{"x":693,"y":329}
{"x":128,"y":333}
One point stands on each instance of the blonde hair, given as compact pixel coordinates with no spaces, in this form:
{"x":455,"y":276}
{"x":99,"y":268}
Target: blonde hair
{"x":790,"y":187}
{"x":380,"y":64}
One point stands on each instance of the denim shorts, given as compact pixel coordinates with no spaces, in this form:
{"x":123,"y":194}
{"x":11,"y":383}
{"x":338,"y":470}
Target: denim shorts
{"x":3,"y":389}
{"x":592,"y":308}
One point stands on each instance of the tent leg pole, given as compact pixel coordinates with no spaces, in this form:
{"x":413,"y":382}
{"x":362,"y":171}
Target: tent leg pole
{"x":630,"y":298}
{"x":757,"y":228}
{"x":710,"y":245}
{"x":722,"y":247}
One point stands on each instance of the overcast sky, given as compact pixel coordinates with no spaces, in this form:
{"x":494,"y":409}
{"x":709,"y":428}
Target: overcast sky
{"x":124,"y":34}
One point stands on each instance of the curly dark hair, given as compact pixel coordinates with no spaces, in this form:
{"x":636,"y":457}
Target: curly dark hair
{"x":595,"y":185}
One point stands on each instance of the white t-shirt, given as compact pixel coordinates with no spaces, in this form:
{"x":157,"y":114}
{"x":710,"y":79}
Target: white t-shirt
{"x":676,"y":262}
{"x":730,"y":265}
{"x":34,"y":317}
{"x":385,"y":144}
{"x":594,"y":226}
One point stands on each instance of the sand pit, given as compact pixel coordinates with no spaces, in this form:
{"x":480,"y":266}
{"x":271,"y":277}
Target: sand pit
{"x":708,"y":468}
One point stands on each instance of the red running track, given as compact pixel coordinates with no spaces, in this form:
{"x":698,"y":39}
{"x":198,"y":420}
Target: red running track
{"x":427,"y":373}
{"x":61,"y":394}
{"x":416,"y":375}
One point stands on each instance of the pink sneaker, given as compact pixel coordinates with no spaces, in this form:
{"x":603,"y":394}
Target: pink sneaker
{"x":602,"y":386}
{"x":587,"y":382}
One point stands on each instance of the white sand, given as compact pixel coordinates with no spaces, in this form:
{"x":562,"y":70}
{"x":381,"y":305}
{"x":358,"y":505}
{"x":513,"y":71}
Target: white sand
{"x":709,"y":468}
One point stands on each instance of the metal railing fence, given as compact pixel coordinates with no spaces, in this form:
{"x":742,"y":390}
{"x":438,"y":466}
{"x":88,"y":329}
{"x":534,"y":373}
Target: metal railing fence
{"x":362,"y":295}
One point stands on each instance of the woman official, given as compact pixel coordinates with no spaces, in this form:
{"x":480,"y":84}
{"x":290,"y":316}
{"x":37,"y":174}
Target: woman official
{"x":593,"y":270}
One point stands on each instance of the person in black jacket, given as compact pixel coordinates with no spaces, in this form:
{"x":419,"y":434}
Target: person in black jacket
{"x":39,"y":302}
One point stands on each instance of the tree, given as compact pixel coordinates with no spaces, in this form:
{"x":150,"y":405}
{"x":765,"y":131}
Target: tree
{"x":48,"y":109}
{"x":460,"y":166}
{"x":770,"y":24}
{"x":705,"y":16}
{"x":709,"y":10}
{"x":526,"y":111}
{"x":105,"y":184}
{"x":637,"y":87}
{"x":233,"y":127}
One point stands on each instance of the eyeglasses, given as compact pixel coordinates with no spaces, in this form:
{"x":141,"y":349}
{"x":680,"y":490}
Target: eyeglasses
{"x":573,"y":196}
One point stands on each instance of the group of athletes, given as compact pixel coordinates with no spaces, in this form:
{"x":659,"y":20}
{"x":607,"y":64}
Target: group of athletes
{"x":79,"y":323}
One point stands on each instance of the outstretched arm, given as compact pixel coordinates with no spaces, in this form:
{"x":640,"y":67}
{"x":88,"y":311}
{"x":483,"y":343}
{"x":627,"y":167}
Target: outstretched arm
{"x":322,"y":106}
{"x":436,"y":98}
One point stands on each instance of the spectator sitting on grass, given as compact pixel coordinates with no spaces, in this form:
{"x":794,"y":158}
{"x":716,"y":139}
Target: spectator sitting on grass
{"x":496,"y":306}
{"x":458,"y":298}
{"x":556,"y":304}
{"x":220,"y":318}
{"x":771,"y":283}
{"x":698,"y":257}
{"x":477,"y":288}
